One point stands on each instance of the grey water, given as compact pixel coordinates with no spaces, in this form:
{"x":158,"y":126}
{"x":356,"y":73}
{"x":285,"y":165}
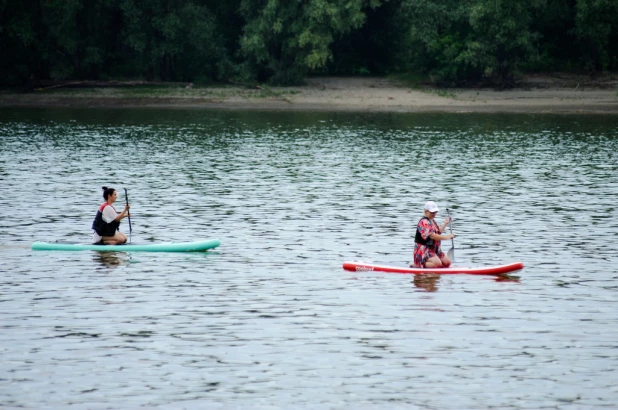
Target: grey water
{"x":270,"y":319}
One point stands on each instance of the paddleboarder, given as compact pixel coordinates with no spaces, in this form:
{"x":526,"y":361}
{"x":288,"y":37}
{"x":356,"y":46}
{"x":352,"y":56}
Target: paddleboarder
{"x":107,"y":220}
{"x":427,"y":251}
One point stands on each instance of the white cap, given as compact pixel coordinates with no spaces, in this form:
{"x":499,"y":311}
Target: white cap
{"x":431,"y":206}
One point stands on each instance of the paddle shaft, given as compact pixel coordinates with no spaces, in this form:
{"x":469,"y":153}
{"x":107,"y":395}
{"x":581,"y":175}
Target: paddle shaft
{"x":126,"y":198}
{"x":450,"y":225}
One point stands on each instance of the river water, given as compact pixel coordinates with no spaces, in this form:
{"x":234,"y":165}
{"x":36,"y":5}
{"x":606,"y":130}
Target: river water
{"x":270,"y":319}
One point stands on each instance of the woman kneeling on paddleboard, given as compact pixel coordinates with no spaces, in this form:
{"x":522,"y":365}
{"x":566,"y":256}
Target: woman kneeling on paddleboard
{"x":427,"y":252}
{"x":107,"y":221}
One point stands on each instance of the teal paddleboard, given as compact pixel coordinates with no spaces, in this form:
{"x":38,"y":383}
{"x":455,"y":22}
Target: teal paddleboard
{"x":199,"y":246}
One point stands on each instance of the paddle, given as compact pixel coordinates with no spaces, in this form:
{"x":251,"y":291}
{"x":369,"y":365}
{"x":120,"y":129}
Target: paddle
{"x":126,"y":198}
{"x":451,"y":252}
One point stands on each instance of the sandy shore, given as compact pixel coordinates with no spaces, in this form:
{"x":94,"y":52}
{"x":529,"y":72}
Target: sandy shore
{"x":361,"y":94}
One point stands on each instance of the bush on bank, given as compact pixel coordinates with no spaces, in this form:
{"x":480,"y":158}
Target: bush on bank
{"x":279,"y":42}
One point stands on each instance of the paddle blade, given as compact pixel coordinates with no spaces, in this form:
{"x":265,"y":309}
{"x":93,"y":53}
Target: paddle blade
{"x":451,"y":254}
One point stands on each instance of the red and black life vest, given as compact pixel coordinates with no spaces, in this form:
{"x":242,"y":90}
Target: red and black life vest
{"x":101,"y":227}
{"x":419,"y":238}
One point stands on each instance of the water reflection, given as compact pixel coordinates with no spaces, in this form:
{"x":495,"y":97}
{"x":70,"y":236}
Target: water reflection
{"x":428,"y":282}
{"x":507,"y":278}
{"x":111,"y":259}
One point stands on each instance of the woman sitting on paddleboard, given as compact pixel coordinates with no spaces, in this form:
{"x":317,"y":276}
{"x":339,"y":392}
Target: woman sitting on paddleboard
{"x":107,"y":221}
{"x":427,"y":252}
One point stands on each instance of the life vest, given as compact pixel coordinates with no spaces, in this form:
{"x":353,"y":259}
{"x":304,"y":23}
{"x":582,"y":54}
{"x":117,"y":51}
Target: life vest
{"x":419,"y":238}
{"x":101,"y":227}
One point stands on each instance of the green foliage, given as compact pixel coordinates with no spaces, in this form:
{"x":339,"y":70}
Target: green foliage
{"x":555,"y":24}
{"x":371,"y":49}
{"x":174,"y":41}
{"x":437,"y":35}
{"x":597,"y":33}
{"x":452,"y":42}
{"x":283,"y":40}
{"x":502,"y":40}
{"x":17,"y":39}
{"x":470,"y":40}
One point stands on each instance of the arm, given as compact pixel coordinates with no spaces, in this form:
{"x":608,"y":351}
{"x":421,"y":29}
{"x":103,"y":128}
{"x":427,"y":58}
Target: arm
{"x":445,"y":224}
{"x":440,"y":237}
{"x":428,"y":231}
{"x":109,"y":215}
{"x":123,"y":214}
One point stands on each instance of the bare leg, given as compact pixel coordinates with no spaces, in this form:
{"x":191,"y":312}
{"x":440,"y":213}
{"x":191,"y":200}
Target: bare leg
{"x":118,"y":239}
{"x":433,"y":262}
{"x":446,"y":262}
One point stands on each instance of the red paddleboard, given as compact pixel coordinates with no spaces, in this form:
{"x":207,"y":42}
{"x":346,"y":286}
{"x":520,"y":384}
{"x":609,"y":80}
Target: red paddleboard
{"x":488,"y":270}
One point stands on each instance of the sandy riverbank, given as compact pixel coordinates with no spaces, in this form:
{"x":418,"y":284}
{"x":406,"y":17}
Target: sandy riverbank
{"x":362,"y":94}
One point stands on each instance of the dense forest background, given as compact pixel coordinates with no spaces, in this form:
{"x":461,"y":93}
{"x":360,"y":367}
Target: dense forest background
{"x":280,"y":42}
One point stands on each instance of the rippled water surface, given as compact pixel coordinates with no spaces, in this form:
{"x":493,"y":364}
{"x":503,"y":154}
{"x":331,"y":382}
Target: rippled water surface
{"x":270,"y":319}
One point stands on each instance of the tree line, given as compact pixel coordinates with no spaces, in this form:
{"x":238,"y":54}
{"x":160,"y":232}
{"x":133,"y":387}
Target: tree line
{"x":280,"y":42}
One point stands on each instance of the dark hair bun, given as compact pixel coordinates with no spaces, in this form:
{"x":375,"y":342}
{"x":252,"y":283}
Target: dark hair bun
{"x":107,"y":191}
